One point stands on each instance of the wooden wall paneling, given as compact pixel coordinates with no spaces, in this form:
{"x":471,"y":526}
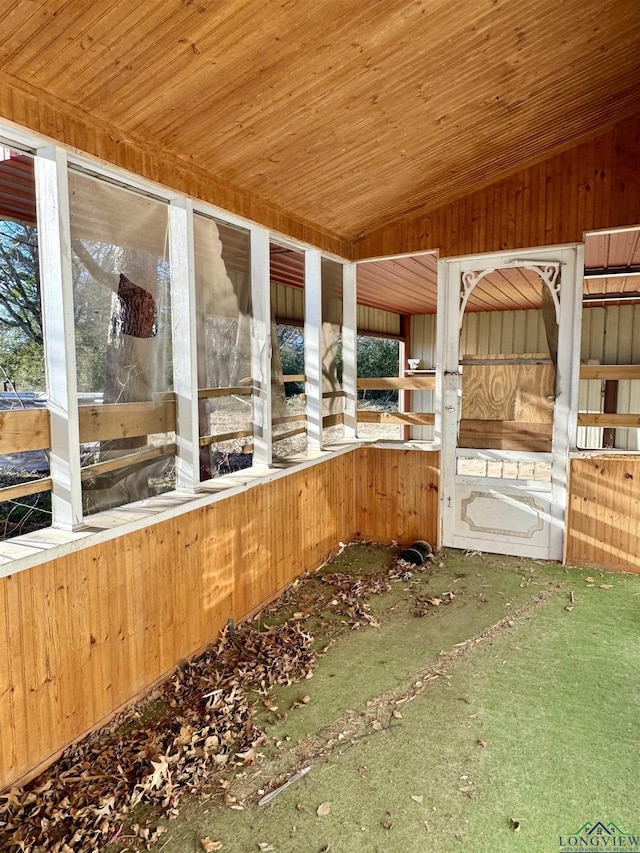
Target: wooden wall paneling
{"x":603,"y":520}
{"x":397,"y":495}
{"x":91,"y":630}
{"x":593,"y":185}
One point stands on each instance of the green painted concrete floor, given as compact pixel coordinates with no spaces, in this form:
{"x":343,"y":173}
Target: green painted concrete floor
{"x":500,"y":721}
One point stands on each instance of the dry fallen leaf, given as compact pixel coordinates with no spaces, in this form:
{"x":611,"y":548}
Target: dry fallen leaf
{"x":300,"y":807}
{"x":210,"y":846}
{"x":417,"y":798}
{"x":606,"y":586}
{"x":387,"y":824}
{"x":377,"y":726}
{"x":396,"y":714}
{"x":481,"y":742}
{"x":590,"y":580}
{"x":323,"y":809}
{"x":514,"y":824}
{"x":264,"y":845}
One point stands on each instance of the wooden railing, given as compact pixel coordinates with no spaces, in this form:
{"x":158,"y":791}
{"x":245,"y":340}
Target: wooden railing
{"x":413,"y":382}
{"x":609,"y":373}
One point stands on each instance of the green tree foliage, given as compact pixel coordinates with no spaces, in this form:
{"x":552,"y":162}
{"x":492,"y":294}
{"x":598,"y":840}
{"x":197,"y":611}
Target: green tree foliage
{"x":376,"y":357}
{"x":21,"y":337}
{"x":20,"y":281}
{"x":21,"y":341}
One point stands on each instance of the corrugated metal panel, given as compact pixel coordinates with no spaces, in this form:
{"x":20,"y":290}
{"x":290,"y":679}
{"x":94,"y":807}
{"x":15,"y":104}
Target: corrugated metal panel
{"x":611,"y":336}
{"x":288,"y":306}
{"x":287,"y":303}
{"x":503,"y":332}
{"x":423,"y":346}
{"x":372,"y":321}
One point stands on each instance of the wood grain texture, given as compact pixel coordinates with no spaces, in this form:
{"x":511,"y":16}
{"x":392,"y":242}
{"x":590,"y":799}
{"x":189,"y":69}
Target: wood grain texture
{"x":24,"y":429}
{"x":505,"y":435}
{"x":79,"y":130}
{"x":372,"y":110}
{"x":598,"y":182}
{"x":508,"y":392}
{"x":603,"y":518}
{"x":81,"y":635}
{"x":397,"y":495}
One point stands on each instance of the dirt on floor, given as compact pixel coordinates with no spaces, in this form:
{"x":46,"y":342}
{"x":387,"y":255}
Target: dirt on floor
{"x":328,"y":677}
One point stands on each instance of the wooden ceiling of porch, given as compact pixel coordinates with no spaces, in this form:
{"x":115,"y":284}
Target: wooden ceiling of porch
{"x":342,"y":114}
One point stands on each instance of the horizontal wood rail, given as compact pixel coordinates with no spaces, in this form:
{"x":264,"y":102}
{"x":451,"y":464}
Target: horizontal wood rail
{"x":24,"y":429}
{"x":21,"y":490}
{"x":329,"y":395}
{"x":505,"y":435}
{"x":395,"y":383}
{"x":621,"y":421}
{"x":610,"y":371}
{"x":411,"y":418}
{"x":125,"y":420}
{"x":282,"y":436}
{"x":89,"y":471}
{"x":235,"y":391}
{"x":288,"y":419}
{"x":206,"y":440}
{"x":333,"y":420}
{"x":294,"y":377}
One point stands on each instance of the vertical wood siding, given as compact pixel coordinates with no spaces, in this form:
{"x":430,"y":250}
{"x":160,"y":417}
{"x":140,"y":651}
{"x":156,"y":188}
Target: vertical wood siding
{"x":590,"y":186}
{"x":83,"y":634}
{"x":603,"y":521}
{"x":397,"y":495}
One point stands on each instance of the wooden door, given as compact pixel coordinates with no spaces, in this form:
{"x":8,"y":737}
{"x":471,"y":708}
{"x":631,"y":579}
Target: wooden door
{"x":507,"y":418}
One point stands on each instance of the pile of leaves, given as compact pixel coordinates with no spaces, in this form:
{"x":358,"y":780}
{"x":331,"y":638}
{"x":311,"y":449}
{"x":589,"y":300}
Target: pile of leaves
{"x":185,"y":734}
{"x":351,"y":594}
{"x":202,"y":723}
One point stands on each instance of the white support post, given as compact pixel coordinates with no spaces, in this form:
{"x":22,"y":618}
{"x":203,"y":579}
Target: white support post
{"x":185,"y":364}
{"x":565,"y":419}
{"x":447,"y":389}
{"x":56,"y":282}
{"x":261,"y":346}
{"x":349,"y":349}
{"x":313,"y":346}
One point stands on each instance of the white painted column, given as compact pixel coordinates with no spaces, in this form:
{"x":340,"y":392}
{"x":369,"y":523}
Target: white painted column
{"x":565,"y":418}
{"x":261,"y":346}
{"x":349,"y":349}
{"x":313,"y":346}
{"x":447,"y":388}
{"x":56,"y":282}
{"x":185,"y":350}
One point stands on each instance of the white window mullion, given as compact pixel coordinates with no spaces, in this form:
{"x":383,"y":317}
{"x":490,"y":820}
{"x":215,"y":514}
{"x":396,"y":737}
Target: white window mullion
{"x":185,"y":366}
{"x":56,"y":282}
{"x":261,"y":346}
{"x":349,"y":349}
{"x":313,"y":346}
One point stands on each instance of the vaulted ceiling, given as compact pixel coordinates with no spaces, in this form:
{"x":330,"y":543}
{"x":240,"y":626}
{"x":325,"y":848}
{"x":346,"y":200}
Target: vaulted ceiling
{"x":344,"y":114}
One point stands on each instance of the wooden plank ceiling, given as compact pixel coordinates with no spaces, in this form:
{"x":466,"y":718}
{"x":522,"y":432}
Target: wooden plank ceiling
{"x":615,"y":253}
{"x":343,"y":114}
